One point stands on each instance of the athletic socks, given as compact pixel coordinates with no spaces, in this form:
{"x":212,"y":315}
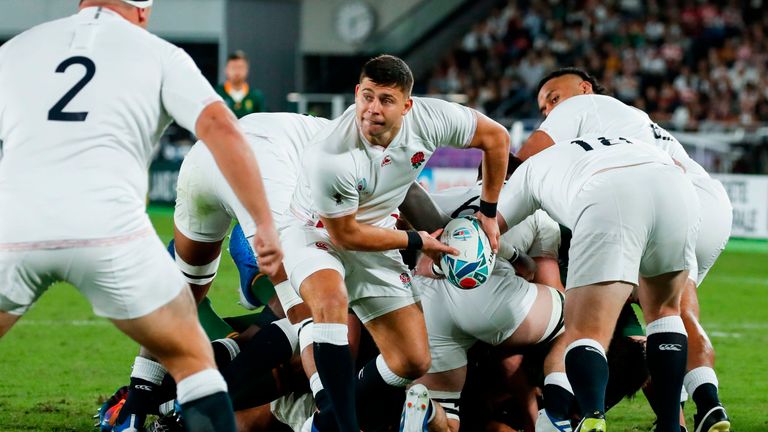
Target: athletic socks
{"x":380,"y":392}
{"x":205,"y":404}
{"x":558,"y":395}
{"x":587,"y":369}
{"x":146,"y":377}
{"x":335,"y":368}
{"x":701,"y":383}
{"x":323,"y":419}
{"x":224,"y":351}
{"x":666,"y":356}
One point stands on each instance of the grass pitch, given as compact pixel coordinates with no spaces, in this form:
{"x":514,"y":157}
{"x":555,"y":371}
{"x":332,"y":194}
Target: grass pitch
{"x":59,"y":362}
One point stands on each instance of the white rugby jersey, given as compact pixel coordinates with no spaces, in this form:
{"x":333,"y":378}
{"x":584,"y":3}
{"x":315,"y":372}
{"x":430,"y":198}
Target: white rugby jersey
{"x":83,"y":103}
{"x":538,"y":235}
{"x":551,"y":179}
{"x":600,"y":115}
{"x":343,"y":173}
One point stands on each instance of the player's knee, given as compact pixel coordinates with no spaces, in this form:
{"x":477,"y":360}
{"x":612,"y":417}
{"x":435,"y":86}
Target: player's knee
{"x":414,"y":366}
{"x":330,"y":309}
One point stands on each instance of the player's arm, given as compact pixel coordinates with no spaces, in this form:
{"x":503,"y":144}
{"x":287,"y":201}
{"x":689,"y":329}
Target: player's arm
{"x":516,"y":201}
{"x":493,"y":139}
{"x":217,"y":127}
{"x":536,"y":142}
{"x":421,"y":211}
{"x":347,"y":233}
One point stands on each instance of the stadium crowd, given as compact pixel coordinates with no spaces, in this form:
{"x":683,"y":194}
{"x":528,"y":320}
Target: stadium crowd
{"x":689,"y":64}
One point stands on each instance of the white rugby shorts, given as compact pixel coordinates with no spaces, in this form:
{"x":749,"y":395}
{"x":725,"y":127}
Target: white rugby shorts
{"x":377,"y":282}
{"x":457,"y":318}
{"x":206,"y":204}
{"x":638,"y":220}
{"x":121,"y":280}
{"x":716,"y":219}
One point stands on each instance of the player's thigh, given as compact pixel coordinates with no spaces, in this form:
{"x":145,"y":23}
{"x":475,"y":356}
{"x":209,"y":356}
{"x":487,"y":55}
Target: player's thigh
{"x":591,"y":311}
{"x":716,"y":221}
{"x":544,"y":320}
{"x":308,"y":251}
{"x":674,"y":229}
{"x":411,"y":359}
{"x":127,"y":280}
{"x":201,"y":198}
{"x":25,"y":275}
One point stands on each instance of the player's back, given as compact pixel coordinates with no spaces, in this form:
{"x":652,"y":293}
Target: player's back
{"x":600,"y":115}
{"x":83,"y":102}
{"x":555,"y":176}
{"x":293,"y":132}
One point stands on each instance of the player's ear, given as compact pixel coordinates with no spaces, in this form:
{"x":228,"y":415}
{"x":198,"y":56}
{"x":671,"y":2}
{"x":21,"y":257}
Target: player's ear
{"x":143,"y":16}
{"x":586,"y":87}
{"x":408,"y":105}
{"x":357,"y":89}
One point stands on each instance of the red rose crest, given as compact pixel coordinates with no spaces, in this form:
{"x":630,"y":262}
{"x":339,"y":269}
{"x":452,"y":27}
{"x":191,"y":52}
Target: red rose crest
{"x":405,"y":278}
{"x":417,"y":159}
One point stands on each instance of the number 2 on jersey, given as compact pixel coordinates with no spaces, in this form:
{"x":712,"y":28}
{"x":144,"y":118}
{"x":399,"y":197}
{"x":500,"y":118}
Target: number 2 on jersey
{"x":57,"y":111}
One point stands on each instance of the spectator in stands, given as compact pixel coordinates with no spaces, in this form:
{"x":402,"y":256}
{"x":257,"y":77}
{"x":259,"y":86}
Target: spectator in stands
{"x":235,"y":91}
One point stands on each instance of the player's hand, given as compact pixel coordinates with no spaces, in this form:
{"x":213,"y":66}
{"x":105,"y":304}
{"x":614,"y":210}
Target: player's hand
{"x":491,"y":228}
{"x":424,"y":268}
{"x":267,"y":247}
{"x":433,"y":247}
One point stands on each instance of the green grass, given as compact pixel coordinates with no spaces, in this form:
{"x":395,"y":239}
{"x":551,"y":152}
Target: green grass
{"x":60,"y":361}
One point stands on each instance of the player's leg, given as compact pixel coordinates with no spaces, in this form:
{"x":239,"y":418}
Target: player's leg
{"x":666,"y":344}
{"x":174,"y":336}
{"x":381,"y":382}
{"x":701,"y":380}
{"x":326,"y":295}
{"x":590,"y":316}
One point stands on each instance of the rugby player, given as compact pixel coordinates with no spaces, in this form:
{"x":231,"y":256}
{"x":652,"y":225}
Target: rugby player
{"x":74,"y":181}
{"x":570,"y":100}
{"x":343,"y":250}
{"x":634,"y":218}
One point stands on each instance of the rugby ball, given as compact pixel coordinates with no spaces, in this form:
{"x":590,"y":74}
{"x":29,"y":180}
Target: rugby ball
{"x":474,"y":264}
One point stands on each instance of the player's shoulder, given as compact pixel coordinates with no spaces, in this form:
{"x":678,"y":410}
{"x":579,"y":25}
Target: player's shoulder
{"x":427,"y":107}
{"x":34,"y":34}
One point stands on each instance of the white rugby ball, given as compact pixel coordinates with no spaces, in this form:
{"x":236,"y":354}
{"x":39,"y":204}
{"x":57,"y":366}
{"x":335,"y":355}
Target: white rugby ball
{"x":475,"y":261}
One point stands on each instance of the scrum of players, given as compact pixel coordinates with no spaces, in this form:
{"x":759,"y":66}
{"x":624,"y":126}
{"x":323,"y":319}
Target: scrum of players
{"x":596,"y":153}
{"x":343,"y":335}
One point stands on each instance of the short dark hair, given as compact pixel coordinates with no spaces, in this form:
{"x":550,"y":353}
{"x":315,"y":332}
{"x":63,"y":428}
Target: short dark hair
{"x":237,"y":55}
{"x":388,"y":71}
{"x":581,"y":73}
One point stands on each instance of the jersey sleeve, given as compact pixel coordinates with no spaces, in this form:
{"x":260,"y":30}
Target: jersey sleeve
{"x":517,"y":201}
{"x":185,"y":92}
{"x":446,"y":124}
{"x":332,"y":184}
{"x":564,"y":122}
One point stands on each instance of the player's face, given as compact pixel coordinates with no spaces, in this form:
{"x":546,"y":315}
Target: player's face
{"x":236,"y":71}
{"x":559,"y":89}
{"x":380,"y":109}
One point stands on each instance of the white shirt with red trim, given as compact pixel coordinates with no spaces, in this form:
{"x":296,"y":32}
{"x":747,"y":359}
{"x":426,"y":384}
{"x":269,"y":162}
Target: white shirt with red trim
{"x":344,"y":174}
